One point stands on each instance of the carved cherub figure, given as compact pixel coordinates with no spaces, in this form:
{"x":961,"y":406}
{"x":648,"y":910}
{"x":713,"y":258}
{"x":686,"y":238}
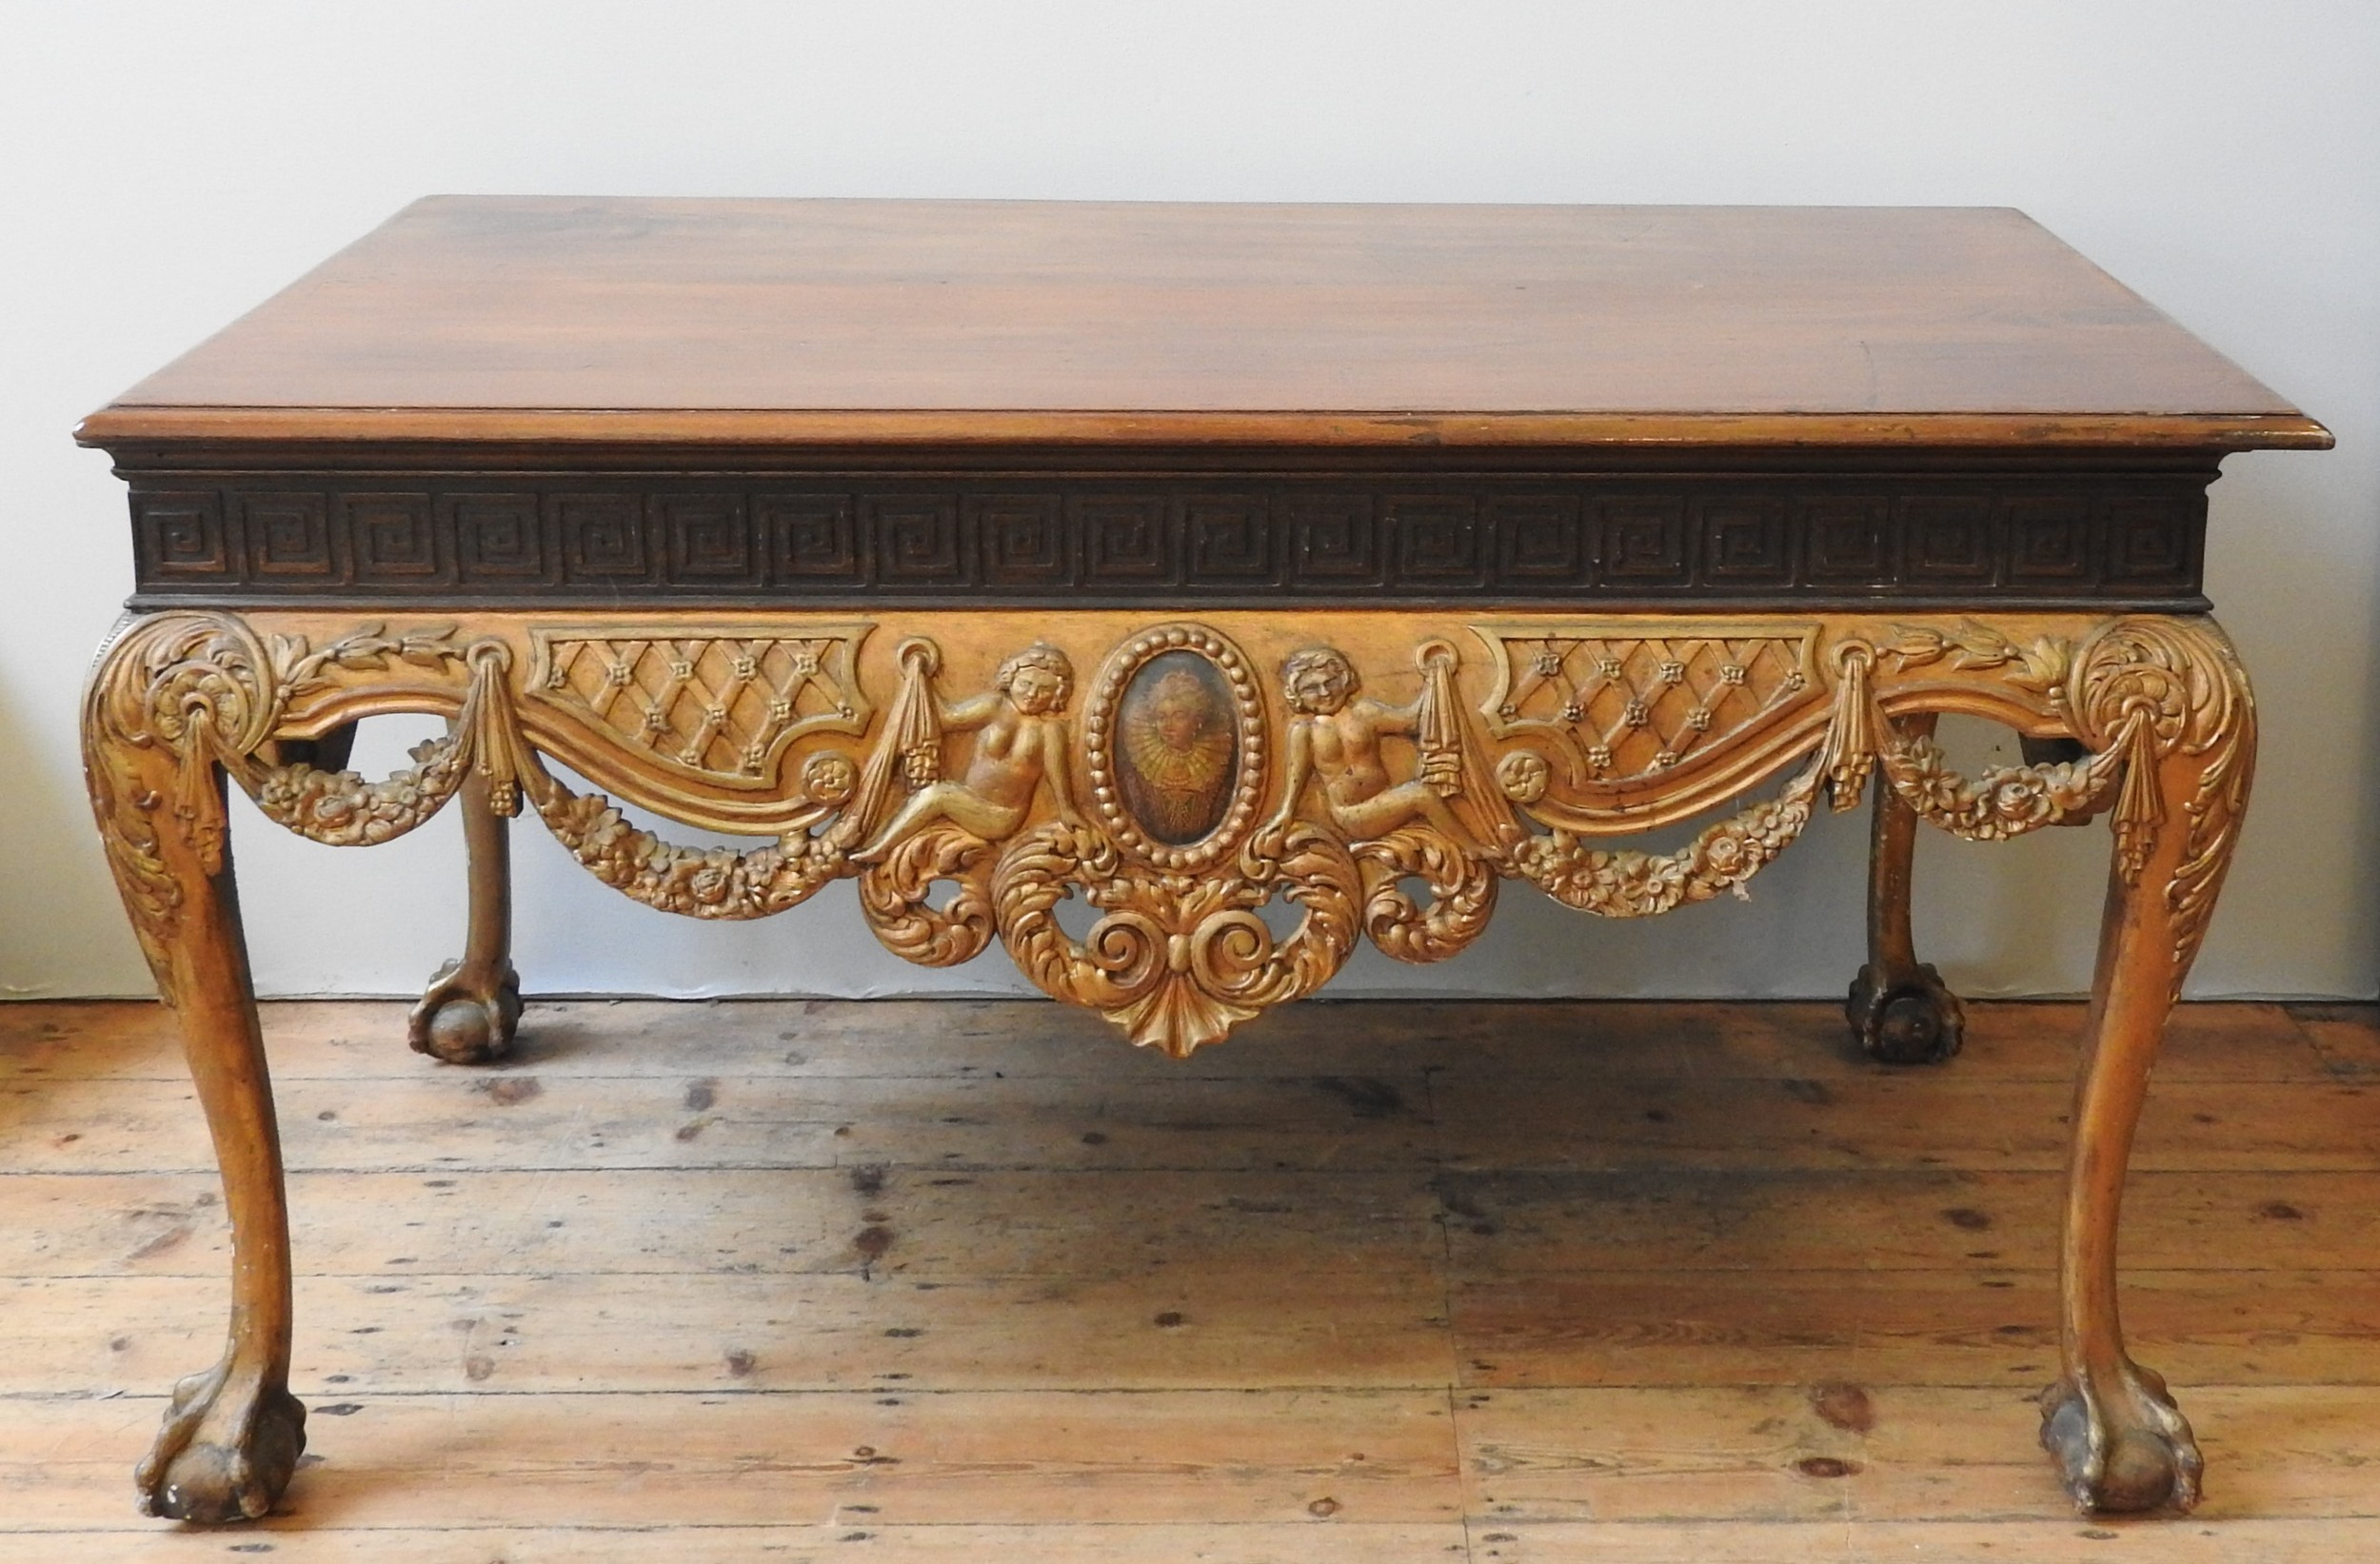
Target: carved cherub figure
{"x":1334,"y":737}
{"x":1021,"y":744}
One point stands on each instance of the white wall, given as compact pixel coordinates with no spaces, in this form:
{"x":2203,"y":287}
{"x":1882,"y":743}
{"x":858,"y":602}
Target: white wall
{"x":163,"y":166}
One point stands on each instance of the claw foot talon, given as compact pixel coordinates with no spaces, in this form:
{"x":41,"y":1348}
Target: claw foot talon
{"x":466,"y":1016}
{"x":226,"y":1451}
{"x":2136,"y":1455}
{"x":1910,"y":1018}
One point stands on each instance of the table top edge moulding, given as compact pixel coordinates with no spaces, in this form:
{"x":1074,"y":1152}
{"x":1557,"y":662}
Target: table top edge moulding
{"x":1345,"y":562}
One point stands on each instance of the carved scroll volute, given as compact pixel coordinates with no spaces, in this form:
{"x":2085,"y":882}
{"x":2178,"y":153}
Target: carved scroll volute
{"x":200,"y":686}
{"x":1177,"y":961}
{"x":174,"y":698}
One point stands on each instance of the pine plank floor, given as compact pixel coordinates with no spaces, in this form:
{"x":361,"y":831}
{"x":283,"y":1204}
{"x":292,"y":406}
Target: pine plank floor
{"x":943,"y":1281}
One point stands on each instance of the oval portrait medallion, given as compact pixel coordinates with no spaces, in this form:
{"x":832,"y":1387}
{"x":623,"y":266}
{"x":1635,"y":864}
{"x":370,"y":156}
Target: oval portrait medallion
{"x":1177,"y":748}
{"x":1173,"y":740}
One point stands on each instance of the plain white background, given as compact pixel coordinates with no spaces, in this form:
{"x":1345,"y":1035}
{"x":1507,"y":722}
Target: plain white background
{"x":165,"y":167}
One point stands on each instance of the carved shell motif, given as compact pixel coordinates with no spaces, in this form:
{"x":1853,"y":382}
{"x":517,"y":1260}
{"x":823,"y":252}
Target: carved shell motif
{"x":1174,"y":741}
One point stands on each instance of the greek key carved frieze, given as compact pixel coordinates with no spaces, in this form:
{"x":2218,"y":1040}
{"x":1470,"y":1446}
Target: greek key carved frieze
{"x":1163,"y":539}
{"x":1233,"y":808}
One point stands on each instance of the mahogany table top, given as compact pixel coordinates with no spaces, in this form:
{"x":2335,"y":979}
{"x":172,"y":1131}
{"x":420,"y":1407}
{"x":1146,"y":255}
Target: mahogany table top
{"x":857,"y":323}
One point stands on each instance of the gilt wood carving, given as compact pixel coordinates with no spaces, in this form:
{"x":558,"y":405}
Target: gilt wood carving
{"x":1217,"y":765}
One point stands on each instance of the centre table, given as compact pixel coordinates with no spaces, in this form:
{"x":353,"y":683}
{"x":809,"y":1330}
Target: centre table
{"x":1261,"y":579}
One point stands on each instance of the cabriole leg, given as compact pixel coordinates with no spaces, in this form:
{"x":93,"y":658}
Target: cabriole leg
{"x":173,"y":695}
{"x":1898,"y":1008}
{"x":471,"y":1007}
{"x":2115,"y":1434}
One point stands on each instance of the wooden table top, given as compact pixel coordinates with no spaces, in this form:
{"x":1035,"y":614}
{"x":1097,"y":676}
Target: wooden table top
{"x":514,"y":319}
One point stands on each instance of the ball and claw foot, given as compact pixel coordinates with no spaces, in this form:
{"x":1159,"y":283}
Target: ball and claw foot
{"x":2114,"y":1460}
{"x":226,"y":1451}
{"x":1915,"y":1020}
{"x":466,"y":1016}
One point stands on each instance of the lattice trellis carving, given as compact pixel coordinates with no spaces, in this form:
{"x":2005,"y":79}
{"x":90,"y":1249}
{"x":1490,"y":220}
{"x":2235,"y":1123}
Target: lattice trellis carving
{"x":716,"y":703}
{"x":1636,"y":707}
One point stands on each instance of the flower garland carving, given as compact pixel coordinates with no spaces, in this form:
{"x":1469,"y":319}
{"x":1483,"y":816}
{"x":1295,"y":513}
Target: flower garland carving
{"x":1628,"y":884}
{"x":2005,"y":802}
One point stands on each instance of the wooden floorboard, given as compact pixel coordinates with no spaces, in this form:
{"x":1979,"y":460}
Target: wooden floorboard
{"x":956,"y":1281}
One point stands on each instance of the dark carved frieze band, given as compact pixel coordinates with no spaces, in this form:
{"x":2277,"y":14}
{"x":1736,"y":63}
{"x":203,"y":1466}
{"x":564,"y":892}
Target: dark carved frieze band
{"x":1826,"y":542}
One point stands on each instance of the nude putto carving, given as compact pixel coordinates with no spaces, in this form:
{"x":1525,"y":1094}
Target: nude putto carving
{"x":1334,"y":739}
{"x":1021,"y":746}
